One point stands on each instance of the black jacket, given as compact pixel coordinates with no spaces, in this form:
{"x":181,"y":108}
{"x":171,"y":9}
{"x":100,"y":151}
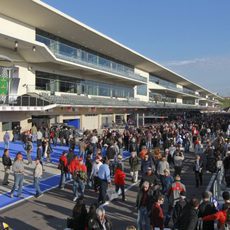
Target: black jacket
{"x":6,"y":161}
{"x":177,"y":210}
{"x":94,"y":224}
{"x":207,"y":208}
{"x":188,"y":219}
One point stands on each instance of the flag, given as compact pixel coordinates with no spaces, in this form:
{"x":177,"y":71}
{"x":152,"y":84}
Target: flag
{"x":3,"y":86}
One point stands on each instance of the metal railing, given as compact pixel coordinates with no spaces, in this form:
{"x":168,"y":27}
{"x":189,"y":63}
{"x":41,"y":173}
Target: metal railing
{"x":79,"y":56}
{"x":25,"y":100}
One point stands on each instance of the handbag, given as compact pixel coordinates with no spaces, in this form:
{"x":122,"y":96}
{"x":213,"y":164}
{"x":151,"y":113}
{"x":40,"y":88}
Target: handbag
{"x":69,"y":222}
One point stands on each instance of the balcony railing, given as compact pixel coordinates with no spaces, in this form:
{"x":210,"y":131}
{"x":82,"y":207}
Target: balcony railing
{"x":24,"y":100}
{"x":79,"y":56}
{"x":170,"y":85}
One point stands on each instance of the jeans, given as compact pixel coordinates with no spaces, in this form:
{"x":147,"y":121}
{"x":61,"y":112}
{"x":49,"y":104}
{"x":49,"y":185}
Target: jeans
{"x":18,"y":183}
{"x":122,"y":187}
{"x":37,"y":185}
{"x":78,"y":188}
{"x":102,"y":191}
{"x":28,"y":154}
{"x":134,"y":176}
{"x":6,"y":144}
{"x":7,"y":173}
{"x":143,"y":221}
{"x":62,"y":180}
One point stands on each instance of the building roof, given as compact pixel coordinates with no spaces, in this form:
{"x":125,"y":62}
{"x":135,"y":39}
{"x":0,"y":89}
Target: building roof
{"x":37,"y":14}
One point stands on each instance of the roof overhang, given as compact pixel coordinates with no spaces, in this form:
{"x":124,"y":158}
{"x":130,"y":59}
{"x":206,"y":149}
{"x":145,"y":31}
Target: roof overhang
{"x":40,"y":15}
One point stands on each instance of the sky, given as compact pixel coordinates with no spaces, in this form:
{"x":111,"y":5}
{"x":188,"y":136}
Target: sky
{"x":190,"y":37}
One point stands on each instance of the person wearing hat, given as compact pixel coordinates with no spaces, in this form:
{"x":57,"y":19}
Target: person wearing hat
{"x":177,"y":210}
{"x":174,"y":195}
{"x":37,"y":175}
{"x":79,"y":179}
{"x":18,"y":169}
{"x":207,"y":208}
{"x":150,"y":177}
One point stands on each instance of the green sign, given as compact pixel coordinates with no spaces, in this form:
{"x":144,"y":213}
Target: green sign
{"x":3,"y":86}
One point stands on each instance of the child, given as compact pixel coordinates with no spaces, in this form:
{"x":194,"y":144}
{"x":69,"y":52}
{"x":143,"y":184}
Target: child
{"x":119,"y":180}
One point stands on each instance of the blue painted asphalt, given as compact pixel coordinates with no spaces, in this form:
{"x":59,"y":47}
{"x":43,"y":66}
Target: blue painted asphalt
{"x":46,"y":184}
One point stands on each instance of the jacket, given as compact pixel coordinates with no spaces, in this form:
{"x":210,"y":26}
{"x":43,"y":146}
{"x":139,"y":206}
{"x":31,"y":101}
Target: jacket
{"x":174,"y":192}
{"x":94,"y":224}
{"x":221,"y":216}
{"x":133,"y":163}
{"x":157,"y":216}
{"x":119,"y":177}
{"x":188,"y":219}
{"x":73,"y":165}
{"x":6,"y":161}
{"x":207,"y":208}
{"x":63,"y":163}
{"x":38,"y":170}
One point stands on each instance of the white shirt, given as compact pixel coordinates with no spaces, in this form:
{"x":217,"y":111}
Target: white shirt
{"x":95,"y":168}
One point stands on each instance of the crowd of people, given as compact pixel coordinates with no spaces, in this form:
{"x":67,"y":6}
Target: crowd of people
{"x":157,"y":155}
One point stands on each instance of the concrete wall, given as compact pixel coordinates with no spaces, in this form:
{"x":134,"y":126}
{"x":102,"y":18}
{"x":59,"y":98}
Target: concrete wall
{"x":16,"y":29}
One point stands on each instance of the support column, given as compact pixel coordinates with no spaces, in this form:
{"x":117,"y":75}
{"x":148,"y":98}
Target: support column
{"x":137,"y":117}
{"x":143,"y":119}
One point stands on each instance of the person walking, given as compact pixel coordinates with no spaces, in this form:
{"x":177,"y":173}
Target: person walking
{"x":79,"y":179}
{"x":157,"y":214}
{"x":18,"y":169}
{"x":189,"y":216}
{"x":119,"y":180}
{"x":198,"y":170}
{"x":6,"y":161}
{"x":207,"y":208}
{"x":29,"y":148}
{"x":143,"y":206}
{"x":63,"y":166}
{"x":134,"y":166}
{"x":174,"y":195}
{"x":6,"y":139}
{"x":37,"y":176}
{"x":105,"y":180}
{"x":94,"y":173}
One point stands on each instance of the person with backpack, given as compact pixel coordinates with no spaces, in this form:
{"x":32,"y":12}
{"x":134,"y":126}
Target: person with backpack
{"x":29,"y":148}
{"x":63,"y":166}
{"x":174,"y":195}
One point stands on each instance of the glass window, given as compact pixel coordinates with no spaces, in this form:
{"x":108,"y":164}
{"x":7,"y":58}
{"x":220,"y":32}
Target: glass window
{"x":42,"y":84}
{"x":6,"y":126}
{"x":142,"y":90}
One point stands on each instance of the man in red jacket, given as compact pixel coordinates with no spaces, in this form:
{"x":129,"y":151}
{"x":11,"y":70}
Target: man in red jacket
{"x":119,"y":180}
{"x":64,"y":169}
{"x":79,"y":179}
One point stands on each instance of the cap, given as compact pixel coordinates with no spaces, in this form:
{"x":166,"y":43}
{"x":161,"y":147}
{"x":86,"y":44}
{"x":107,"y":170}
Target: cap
{"x":119,"y":157}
